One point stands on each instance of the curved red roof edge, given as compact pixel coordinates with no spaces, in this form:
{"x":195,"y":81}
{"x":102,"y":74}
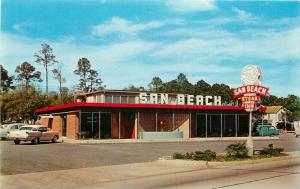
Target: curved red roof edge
{"x":145,"y":106}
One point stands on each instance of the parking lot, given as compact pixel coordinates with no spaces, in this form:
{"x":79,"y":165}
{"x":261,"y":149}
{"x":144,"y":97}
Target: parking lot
{"x":26,"y":158}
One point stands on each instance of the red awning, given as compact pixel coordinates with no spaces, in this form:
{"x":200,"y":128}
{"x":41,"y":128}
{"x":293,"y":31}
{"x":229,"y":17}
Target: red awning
{"x":141,"y":106}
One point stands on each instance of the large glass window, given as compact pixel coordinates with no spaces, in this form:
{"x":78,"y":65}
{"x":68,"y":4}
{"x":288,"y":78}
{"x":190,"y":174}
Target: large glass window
{"x":243,"y":125}
{"x":91,"y":123}
{"x":116,"y":99}
{"x":201,"y":125}
{"x":228,"y":126}
{"x":108,"y":98}
{"x":214,"y":125}
{"x":131,"y":100}
{"x":124,"y":99}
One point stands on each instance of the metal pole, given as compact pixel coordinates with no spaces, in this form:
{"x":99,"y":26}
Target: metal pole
{"x":138,"y":124}
{"x":93,"y":125}
{"x":196,"y":124}
{"x":205,"y":125}
{"x":156,"y":121}
{"x":221,"y":125}
{"x":119,"y":125}
{"x":80,"y":124}
{"x":173,"y":121}
{"x":235,"y":125}
{"x":190,"y":124}
{"x":250,"y":139}
{"x":99,"y":125}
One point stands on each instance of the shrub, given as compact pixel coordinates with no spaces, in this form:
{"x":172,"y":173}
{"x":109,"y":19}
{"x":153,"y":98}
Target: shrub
{"x":177,"y":155}
{"x":207,"y":155}
{"x":270,"y":151}
{"x":237,"y":151}
{"x":189,"y":155}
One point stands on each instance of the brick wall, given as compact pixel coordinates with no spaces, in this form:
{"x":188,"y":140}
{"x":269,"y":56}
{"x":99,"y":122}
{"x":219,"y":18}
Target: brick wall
{"x":44,"y":121}
{"x":56,"y":124}
{"x":72,"y":125}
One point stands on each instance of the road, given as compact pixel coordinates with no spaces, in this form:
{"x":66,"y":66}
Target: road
{"x":275,"y":175}
{"x":27,"y":158}
{"x":167,"y":174}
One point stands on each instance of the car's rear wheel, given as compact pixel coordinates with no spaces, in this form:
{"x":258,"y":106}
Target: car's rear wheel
{"x":17,"y":141}
{"x":35,"y":141}
{"x":54,"y":139}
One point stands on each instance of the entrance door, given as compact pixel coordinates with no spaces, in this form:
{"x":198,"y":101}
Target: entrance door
{"x":105,"y":126}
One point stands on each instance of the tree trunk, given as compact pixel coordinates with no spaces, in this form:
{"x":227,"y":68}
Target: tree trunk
{"x":61,"y":101}
{"x":46,"y":66}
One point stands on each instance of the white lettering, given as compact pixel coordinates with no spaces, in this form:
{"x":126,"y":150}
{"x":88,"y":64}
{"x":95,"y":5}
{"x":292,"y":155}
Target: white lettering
{"x":180,"y":99}
{"x":199,"y":100}
{"x":207,"y":102}
{"x":153,"y":98}
{"x":164,"y":98}
{"x":143,"y":98}
{"x":217,"y":101}
{"x":190,"y":99}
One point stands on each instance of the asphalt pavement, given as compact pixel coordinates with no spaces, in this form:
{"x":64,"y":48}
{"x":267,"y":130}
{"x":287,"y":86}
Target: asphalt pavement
{"x":27,"y":158}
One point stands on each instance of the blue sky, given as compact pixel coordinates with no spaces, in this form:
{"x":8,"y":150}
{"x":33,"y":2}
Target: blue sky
{"x":130,"y":42}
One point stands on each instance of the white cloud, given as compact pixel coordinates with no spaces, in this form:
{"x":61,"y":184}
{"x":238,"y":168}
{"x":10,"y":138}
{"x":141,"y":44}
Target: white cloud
{"x":270,"y":45}
{"x":123,"y":26}
{"x":242,"y":14}
{"x":22,"y":26}
{"x":191,"y":5}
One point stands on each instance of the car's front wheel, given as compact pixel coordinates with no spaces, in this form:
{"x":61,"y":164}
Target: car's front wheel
{"x":17,"y":141}
{"x":54,"y":139}
{"x":35,"y":141}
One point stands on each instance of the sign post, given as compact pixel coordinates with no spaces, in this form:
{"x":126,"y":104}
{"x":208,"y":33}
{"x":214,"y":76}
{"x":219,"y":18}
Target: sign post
{"x":250,"y":94}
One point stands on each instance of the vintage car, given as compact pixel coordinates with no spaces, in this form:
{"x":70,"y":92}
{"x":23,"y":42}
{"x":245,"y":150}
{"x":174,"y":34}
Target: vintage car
{"x":5,"y":129}
{"x":33,"y":133}
{"x":266,"y":130}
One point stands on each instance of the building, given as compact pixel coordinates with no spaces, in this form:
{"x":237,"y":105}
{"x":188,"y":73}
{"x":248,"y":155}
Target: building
{"x":275,"y":115}
{"x":119,"y":114}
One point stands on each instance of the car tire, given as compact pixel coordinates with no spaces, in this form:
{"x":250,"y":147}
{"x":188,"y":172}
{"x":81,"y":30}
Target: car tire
{"x":17,"y":141}
{"x":54,"y":139}
{"x":35,"y":141}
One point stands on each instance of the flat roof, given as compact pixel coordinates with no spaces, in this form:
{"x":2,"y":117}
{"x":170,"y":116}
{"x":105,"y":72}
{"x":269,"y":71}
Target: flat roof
{"x":132,"y":106}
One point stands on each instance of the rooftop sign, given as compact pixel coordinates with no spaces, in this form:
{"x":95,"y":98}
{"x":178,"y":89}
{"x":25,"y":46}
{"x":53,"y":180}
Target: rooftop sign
{"x":179,"y":99}
{"x":252,"y":90}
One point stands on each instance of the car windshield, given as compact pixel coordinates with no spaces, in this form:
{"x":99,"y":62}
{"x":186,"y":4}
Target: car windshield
{"x":26,"y":128}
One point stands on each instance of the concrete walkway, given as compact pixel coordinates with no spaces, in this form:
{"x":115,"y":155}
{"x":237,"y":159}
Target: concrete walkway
{"x":125,"y":176}
{"x":112,"y":141}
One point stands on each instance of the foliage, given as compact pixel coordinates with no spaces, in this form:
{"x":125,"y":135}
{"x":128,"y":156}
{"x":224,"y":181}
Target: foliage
{"x":270,"y":151}
{"x":177,"y":155}
{"x":156,"y":85}
{"x":26,"y":72}
{"x":134,"y":88}
{"x":206,"y":155}
{"x":46,"y":58}
{"x":6,"y":80}
{"x":19,"y":105}
{"x":89,"y":78}
{"x":237,"y":151}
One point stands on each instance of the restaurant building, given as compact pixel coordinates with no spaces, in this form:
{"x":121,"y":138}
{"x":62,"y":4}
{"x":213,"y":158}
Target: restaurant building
{"x":119,"y":114}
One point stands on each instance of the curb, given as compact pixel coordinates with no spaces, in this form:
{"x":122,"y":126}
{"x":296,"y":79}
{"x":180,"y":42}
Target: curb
{"x":120,"y":141}
{"x":208,"y":164}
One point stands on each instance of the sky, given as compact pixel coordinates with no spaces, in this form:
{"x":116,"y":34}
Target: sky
{"x":131,"y":41}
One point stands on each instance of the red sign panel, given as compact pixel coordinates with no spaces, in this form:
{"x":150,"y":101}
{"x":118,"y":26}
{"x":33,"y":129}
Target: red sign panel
{"x":250,"y":95}
{"x":250,"y":89}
